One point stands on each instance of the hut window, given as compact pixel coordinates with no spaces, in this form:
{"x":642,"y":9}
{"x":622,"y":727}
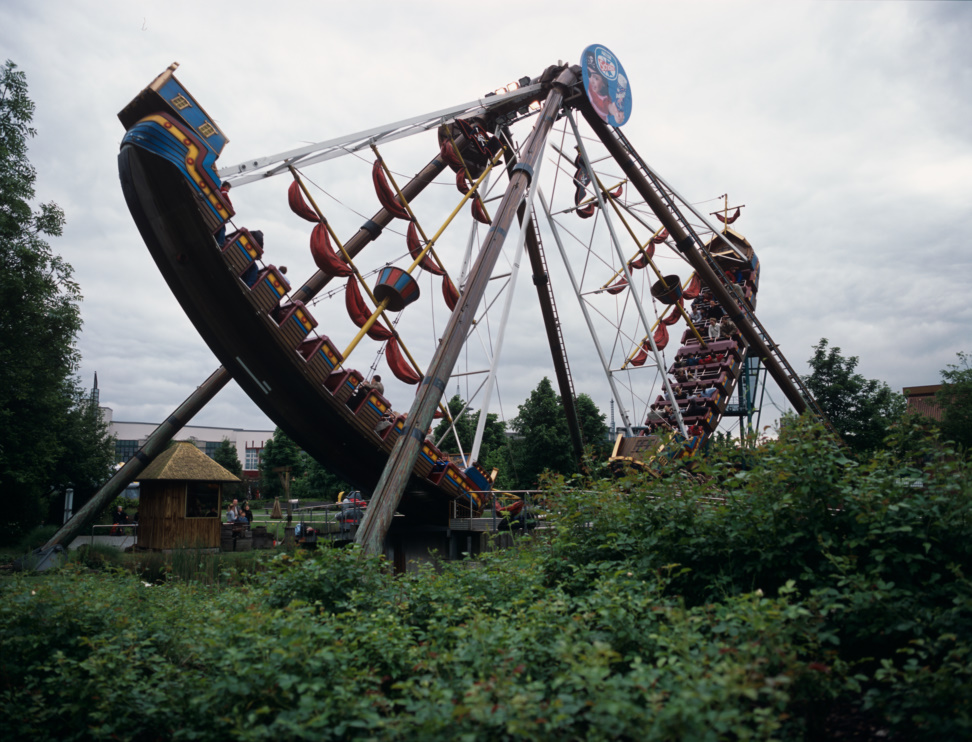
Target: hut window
{"x":202,"y":500}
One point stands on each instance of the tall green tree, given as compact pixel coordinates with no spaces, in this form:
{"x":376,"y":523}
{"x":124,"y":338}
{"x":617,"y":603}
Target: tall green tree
{"x":43,"y":418}
{"x":593,"y":428}
{"x":88,"y":451}
{"x":494,"y":432}
{"x":544,"y":442}
{"x":955,"y":400}
{"x":279,"y":451}
{"x":227,"y":457}
{"x":861,"y":410}
{"x":465,"y":424}
{"x":317,"y":482}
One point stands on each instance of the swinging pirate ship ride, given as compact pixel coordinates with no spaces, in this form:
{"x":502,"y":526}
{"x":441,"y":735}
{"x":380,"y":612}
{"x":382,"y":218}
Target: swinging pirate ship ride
{"x":267,"y":339}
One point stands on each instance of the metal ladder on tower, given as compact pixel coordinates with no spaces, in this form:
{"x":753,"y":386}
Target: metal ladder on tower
{"x":669,"y":198}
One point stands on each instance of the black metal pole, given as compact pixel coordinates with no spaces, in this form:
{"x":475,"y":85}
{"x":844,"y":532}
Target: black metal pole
{"x":558,"y":353}
{"x":686,"y":246}
{"x":154,"y":445}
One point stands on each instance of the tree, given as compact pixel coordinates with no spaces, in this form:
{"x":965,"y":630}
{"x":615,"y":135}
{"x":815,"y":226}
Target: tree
{"x":594,"y":431}
{"x":494,"y":433}
{"x":317,"y":482}
{"x":544,"y":441}
{"x":88,"y":451}
{"x":279,"y":451}
{"x":861,"y":410}
{"x":465,"y":425}
{"x":226,"y":456}
{"x":955,"y":401}
{"x":493,"y":450}
{"x":44,"y":419}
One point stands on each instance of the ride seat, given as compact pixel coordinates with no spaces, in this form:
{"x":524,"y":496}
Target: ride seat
{"x":240,"y":251}
{"x":268,"y":289}
{"x":295,"y":322}
{"x":392,"y":433}
{"x":342,"y":383}
{"x":448,"y":478}
{"x":321,"y":357}
{"x":371,"y":408}
{"x":428,"y":459}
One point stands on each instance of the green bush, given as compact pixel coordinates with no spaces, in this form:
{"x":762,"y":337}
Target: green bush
{"x":36,"y":537}
{"x":100,"y":655}
{"x":881,"y":553}
{"x":744,"y":606}
{"x":96,"y":556}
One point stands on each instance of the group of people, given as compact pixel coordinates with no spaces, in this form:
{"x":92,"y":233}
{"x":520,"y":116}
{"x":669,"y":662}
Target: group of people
{"x":739,"y":278}
{"x":352,"y":510}
{"x":705,"y":309}
{"x":708,"y":314}
{"x":665,"y":417}
{"x":685,"y":363}
{"x":712,"y":319}
{"x":688,"y":368}
{"x":237,"y":514}
{"x":721,"y":329}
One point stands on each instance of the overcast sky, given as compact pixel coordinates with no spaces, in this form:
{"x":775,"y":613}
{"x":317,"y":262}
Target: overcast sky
{"x":843,"y":127}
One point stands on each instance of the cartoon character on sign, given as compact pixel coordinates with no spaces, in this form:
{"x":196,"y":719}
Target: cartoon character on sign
{"x":620,"y":94}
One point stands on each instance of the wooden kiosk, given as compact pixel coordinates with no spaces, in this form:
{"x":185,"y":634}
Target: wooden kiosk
{"x":180,"y":500}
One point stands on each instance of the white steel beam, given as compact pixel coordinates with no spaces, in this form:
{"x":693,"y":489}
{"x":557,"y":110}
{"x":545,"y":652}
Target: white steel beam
{"x":504,"y":318}
{"x":627,"y":274}
{"x":265,"y":167}
{"x":587,"y":316}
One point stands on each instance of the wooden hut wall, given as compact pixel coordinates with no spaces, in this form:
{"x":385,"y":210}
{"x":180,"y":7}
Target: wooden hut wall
{"x":162,"y":521}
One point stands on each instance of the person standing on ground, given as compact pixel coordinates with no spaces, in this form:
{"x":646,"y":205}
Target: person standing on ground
{"x":120,"y":518}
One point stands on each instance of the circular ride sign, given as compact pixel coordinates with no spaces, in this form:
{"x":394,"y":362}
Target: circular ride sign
{"x":606,"y":85}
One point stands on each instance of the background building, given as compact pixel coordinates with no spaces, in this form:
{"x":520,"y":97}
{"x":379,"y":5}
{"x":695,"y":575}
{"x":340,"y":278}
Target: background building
{"x":130,"y":436}
{"x":921,"y":400}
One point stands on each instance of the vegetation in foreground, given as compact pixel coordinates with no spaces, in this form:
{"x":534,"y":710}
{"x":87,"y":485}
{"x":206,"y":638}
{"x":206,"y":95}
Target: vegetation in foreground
{"x":760,"y":605}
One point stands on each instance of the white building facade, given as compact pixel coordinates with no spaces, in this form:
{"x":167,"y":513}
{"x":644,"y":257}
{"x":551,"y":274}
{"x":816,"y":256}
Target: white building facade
{"x":130,"y":436}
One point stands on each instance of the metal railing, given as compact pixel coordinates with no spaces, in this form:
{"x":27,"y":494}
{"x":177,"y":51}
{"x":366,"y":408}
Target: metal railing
{"x":126,"y":531}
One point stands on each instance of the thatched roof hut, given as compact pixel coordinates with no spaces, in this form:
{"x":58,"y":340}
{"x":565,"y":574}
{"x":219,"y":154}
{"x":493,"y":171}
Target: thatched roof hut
{"x":180,"y":499}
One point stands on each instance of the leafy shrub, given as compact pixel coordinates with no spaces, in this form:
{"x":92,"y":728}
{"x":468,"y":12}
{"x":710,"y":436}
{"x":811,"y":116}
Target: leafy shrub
{"x":881,"y":552}
{"x":658,"y":610}
{"x":328,"y":577}
{"x":96,"y":556}
{"x":103,"y":655}
{"x":36,"y":537}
